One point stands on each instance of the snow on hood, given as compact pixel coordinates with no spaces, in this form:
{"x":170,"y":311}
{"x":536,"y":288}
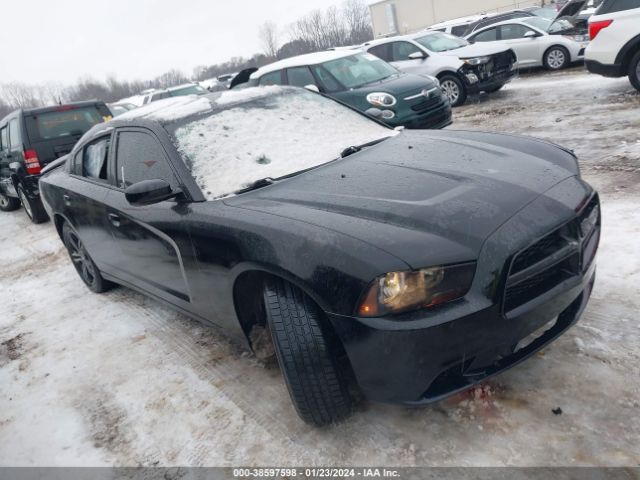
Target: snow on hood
{"x":282,"y":131}
{"x":477,"y":50}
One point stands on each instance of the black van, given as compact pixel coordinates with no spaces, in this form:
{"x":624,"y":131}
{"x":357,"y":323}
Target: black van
{"x":32,"y":138}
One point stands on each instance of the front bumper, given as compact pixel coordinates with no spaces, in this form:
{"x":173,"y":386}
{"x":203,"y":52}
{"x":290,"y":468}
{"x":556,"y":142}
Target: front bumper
{"x":425,"y":356}
{"x":428,"y":364}
{"x":488,"y":83}
{"x":434,"y":119}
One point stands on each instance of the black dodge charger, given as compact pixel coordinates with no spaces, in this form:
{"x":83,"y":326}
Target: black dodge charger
{"x":410,"y":265}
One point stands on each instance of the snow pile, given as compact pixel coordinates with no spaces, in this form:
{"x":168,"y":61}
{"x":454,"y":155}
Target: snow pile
{"x":170,"y":109}
{"x":275,"y":136}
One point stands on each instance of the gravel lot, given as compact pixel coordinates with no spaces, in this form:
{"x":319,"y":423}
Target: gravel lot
{"x":119,"y":379}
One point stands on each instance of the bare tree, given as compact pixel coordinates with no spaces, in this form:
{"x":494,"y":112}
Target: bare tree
{"x":358,"y":21}
{"x":268,"y":35}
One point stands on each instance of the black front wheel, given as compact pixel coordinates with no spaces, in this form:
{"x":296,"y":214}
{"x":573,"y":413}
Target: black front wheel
{"x":453,"y":89}
{"x":8,"y":204}
{"x":83,"y":263}
{"x":32,"y":206}
{"x":307,"y":354}
{"x":634,"y":71}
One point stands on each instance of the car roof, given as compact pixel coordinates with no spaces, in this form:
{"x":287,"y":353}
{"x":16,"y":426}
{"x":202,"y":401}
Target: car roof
{"x":53,"y":108}
{"x":302,"y":60}
{"x":410,"y":36}
{"x":175,"y":109}
{"x":180,"y":87}
{"x":508,"y":22}
{"x":457,"y":21}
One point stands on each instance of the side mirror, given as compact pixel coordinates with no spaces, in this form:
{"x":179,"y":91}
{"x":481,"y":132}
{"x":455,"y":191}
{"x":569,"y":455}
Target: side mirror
{"x":530,"y":34}
{"x":312,"y":88}
{"x":417,"y":56}
{"x":149,"y":192}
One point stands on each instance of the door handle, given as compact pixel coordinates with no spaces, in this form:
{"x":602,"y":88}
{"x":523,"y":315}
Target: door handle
{"x":67,"y":199}
{"x":114,"y":219}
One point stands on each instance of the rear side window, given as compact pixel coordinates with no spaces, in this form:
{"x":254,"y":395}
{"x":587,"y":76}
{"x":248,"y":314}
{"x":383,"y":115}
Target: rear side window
{"x":612,"y":6}
{"x":300,"y":77}
{"x":273,"y":78}
{"x":4,"y":138}
{"x":63,"y":123}
{"x":460,"y":30}
{"x":382,"y":51}
{"x":486,"y":36}
{"x":95,"y":158}
{"x":14,"y":134}
{"x":141,"y":157}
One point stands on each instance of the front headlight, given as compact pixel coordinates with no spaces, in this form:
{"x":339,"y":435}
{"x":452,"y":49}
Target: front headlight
{"x":476,"y":60}
{"x":381,"y":99}
{"x":398,"y":292}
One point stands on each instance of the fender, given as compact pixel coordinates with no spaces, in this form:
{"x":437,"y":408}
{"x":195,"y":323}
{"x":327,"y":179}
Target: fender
{"x":627,"y":51}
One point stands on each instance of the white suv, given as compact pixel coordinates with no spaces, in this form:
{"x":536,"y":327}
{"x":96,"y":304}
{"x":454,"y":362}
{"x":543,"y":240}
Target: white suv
{"x":614,"y":50}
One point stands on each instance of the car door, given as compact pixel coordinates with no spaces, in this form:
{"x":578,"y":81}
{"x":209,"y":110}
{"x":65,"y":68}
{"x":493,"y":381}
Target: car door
{"x":152,"y":240}
{"x":85,"y":192}
{"x":527,"y":48}
{"x":300,"y":77}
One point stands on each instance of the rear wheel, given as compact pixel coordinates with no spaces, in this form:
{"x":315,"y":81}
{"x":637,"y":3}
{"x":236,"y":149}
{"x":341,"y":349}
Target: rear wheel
{"x":634,"y":71}
{"x":85,"y":267}
{"x":556,"y":58}
{"x":453,"y":88}
{"x":306,"y":352}
{"x":33,"y":207}
{"x":8,"y":204}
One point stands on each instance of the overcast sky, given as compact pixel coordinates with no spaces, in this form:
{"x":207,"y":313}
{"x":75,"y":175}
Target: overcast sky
{"x":62,"y":40}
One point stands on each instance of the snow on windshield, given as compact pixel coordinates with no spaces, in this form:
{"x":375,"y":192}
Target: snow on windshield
{"x":171,"y":109}
{"x":273,"y":135}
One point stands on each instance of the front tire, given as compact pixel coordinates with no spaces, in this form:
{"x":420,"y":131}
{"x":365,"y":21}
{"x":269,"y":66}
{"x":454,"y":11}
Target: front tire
{"x":82,"y":262}
{"x":33,"y":207}
{"x":8,"y":204}
{"x":453,"y":88}
{"x":556,"y":58}
{"x":634,"y":71}
{"x":306,"y":352}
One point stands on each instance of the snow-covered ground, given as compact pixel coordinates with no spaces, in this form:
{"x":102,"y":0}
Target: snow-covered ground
{"x":118,"y":379}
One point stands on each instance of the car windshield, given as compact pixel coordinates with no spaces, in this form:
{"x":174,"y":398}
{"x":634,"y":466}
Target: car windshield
{"x":267,"y":132}
{"x":188,"y":90}
{"x":64,"y":122}
{"x":548,"y":26}
{"x":441,"y":42}
{"x":358,"y":70}
{"x":545,"y":12}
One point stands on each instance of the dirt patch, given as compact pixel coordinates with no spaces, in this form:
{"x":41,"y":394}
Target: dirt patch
{"x":107,"y":423}
{"x":12,"y":349}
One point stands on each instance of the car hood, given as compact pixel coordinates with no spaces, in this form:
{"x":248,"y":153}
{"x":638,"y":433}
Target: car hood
{"x":477,"y":50}
{"x":426,"y":197}
{"x":399,"y":84}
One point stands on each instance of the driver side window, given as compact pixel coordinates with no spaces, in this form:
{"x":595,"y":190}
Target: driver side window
{"x":139,"y":156}
{"x":490,"y":35}
{"x":513,"y":31}
{"x":402,"y":50}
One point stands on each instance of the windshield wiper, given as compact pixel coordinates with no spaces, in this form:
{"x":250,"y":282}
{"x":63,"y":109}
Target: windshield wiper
{"x":263,"y":182}
{"x":356,"y":148}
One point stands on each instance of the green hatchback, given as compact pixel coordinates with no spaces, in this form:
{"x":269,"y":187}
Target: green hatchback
{"x":366,"y":83}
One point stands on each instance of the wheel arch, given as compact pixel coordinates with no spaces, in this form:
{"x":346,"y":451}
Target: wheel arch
{"x":247,"y":291}
{"x":627,"y":52}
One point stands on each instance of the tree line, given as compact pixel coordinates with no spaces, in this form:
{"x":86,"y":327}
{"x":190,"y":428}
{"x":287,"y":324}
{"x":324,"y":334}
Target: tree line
{"x":348,"y":24}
